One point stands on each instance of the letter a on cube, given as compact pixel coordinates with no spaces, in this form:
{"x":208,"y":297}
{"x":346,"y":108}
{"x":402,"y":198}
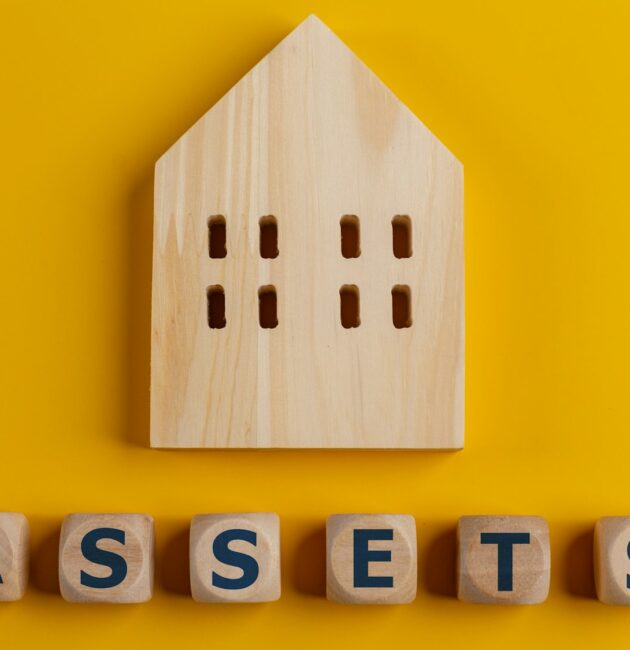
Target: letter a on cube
{"x":106,"y":558}
{"x":14,"y":535}
{"x":371,"y":559}
{"x":612,"y":560}
{"x":235,"y":558}
{"x":503,"y":560}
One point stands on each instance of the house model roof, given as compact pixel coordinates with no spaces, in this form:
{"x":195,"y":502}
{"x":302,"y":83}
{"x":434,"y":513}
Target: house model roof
{"x":308,"y":265}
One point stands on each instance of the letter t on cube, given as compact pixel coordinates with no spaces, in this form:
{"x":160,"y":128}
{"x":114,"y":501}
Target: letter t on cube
{"x":503,"y":560}
{"x":371,"y":559}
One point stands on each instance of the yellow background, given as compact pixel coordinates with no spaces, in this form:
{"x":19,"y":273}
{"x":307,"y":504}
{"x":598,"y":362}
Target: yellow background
{"x":533,"y":96}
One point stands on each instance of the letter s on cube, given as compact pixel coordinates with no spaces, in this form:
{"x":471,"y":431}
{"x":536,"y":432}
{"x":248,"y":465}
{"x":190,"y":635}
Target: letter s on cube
{"x":106,"y":558}
{"x":371,"y":559}
{"x":235,"y":558}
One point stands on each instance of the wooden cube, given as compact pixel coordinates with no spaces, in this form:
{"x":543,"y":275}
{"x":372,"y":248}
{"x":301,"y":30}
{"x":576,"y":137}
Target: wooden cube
{"x":235,"y":558}
{"x":371,"y":559}
{"x":14,"y":533}
{"x":106,"y":558}
{"x":503,"y":560}
{"x":611,"y":555}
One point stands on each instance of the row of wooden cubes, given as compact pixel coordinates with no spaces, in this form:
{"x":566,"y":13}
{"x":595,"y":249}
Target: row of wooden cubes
{"x":371,"y":558}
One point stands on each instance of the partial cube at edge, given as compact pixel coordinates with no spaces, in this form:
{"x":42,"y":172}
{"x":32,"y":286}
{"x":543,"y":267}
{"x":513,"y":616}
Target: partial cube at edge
{"x":106,"y":558}
{"x":235,"y":557}
{"x":371,"y":559}
{"x":503,"y":560}
{"x":14,"y":537}
{"x":611,"y":551}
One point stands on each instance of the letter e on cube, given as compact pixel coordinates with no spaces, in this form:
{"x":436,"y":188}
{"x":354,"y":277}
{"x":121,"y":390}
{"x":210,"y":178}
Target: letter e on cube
{"x":371,"y":559}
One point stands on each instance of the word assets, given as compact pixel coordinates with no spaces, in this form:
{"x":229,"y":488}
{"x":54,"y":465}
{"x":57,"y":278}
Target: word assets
{"x":371,"y":558}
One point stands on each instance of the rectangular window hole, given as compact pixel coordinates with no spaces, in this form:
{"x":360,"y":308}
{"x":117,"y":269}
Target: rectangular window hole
{"x":268,"y":237}
{"x":267,"y":307}
{"x":216,"y":307}
{"x":401,"y":306}
{"x":401,"y":236}
{"x":217,"y":237}
{"x":350,"y":306}
{"x":350,"y":236}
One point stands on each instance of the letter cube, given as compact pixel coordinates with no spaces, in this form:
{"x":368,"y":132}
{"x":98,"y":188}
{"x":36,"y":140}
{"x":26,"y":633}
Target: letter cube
{"x":611,"y":555}
{"x":503,"y":560}
{"x":235,"y":558}
{"x":106,"y":558}
{"x":14,"y":535}
{"x":371,"y":559}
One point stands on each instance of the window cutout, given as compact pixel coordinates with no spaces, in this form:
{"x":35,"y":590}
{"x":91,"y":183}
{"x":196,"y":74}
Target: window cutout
{"x":401,"y":236}
{"x":267,"y":307}
{"x":350,"y":236}
{"x":401,"y":306}
{"x":349,"y":306}
{"x":268,"y":237}
{"x":217,"y":237}
{"x":216,"y":307}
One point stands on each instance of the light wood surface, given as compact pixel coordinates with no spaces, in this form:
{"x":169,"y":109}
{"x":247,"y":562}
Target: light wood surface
{"x":264,"y":548}
{"x":611,"y":559}
{"x":137,"y":552}
{"x":309,"y":137}
{"x":14,"y":537}
{"x":477,"y":562}
{"x":401,"y":565}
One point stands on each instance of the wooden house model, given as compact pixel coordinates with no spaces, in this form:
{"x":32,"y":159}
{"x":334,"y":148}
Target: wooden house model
{"x":308,"y":277}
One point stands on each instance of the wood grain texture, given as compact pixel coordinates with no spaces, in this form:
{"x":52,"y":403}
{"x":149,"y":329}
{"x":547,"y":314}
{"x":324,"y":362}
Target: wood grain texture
{"x":14,"y":539}
{"x":266,"y":552}
{"x":611,"y":561}
{"x":478,"y":563}
{"x":401,"y":567}
{"x":137,"y":552}
{"x":308,"y":136}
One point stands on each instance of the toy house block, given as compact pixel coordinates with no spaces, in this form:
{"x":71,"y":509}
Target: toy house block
{"x":14,"y":535}
{"x":611,"y":551}
{"x":371,"y":559}
{"x":235,"y":558}
{"x":503,"y":560}
{"x":106,"y":558}
{"x":308,"y":284}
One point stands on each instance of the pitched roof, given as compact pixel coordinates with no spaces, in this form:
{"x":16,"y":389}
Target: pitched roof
{"x":309,"y":39}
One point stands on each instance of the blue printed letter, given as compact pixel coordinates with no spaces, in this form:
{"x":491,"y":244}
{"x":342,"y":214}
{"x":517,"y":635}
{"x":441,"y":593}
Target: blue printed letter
{"x":247,"y":563}
{"x":504,"y":542}
{"x":94,"y":554}
{"x":363,"y":556}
